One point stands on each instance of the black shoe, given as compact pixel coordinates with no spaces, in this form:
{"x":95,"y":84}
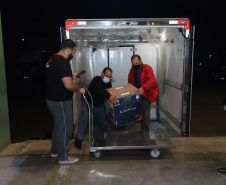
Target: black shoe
{"x":78,"y":144}
{"x":221,"y":170}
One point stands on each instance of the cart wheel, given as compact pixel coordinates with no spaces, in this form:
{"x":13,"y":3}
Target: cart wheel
{"x":97,"y":154}
{"x":155,"y":153}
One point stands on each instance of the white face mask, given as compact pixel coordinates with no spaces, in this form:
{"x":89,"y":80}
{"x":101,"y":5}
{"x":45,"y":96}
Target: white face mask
{"x":106,"y":79}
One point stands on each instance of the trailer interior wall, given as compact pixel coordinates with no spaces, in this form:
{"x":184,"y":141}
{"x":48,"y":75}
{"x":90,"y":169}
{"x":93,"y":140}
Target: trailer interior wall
{"x":162,"y":48}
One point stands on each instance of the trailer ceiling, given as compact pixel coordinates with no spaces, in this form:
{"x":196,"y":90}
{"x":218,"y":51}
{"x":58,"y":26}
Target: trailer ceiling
{"x":101,"y":38}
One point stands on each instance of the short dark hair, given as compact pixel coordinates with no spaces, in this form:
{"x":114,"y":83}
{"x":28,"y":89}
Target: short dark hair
{"x":107,"y":68}
{"x":67,"y":44}
{"x":134,"y":56}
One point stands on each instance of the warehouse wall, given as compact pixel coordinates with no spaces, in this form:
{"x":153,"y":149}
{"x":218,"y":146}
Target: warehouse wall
{"x":4,"y":115}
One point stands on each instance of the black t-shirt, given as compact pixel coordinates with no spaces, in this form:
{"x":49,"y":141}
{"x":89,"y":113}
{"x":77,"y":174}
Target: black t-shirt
{"x":98,"y":91}
{"x":57,"y":68}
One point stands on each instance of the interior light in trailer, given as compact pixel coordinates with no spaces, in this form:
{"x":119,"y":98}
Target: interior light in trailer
{"x":163,"y":36}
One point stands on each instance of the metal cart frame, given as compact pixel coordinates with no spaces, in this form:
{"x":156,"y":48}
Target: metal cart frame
{"x":150,"y":140}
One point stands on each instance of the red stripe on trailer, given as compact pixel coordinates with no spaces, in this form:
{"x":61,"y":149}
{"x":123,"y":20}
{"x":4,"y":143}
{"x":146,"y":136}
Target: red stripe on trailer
{"x":185,"y":22}
{"x":68,"y":23}
{"x":188,"y":25}
{"x":182,"y":22}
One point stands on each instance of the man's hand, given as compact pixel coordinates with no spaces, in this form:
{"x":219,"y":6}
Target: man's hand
{"x":140,"y":91}
{"x":82,"y":90}
{"x":224,"y":107}
{"x":75,"y":74}
{"x":113,"y":99}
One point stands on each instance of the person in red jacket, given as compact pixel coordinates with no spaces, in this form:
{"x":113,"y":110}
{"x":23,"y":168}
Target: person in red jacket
{"x":143,"y":78}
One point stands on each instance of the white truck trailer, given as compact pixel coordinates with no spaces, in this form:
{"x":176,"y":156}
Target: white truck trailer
{"x":167,"y":45}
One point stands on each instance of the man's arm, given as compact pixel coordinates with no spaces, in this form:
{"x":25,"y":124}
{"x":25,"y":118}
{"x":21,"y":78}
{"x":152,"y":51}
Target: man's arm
{"x":68,"y":83}
{"x":98,"y":90}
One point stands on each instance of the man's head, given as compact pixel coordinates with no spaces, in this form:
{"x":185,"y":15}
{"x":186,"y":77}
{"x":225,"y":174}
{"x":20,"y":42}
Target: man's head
{"x":68,"y":48}
{"x":136,"y":62}
{"x":106,"y":74}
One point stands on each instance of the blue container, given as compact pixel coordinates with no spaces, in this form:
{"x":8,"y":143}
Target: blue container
{"x":127,"y":108}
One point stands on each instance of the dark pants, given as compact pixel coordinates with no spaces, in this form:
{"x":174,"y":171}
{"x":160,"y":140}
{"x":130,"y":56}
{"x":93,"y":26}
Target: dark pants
{"x":99,"y":119}
{"x":146,"y":113}
{"x":61,"y":112}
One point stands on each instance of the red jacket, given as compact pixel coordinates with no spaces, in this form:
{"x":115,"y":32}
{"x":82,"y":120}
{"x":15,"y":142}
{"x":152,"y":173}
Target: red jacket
{"x":148,"y":82}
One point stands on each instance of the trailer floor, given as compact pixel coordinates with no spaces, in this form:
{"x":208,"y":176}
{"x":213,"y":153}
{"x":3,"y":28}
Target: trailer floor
{"x":130,"y":137}
{"x":154,"y":126}
{"x":193,"y":161}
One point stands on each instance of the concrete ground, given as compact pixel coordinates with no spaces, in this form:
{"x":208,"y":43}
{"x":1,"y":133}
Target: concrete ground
{"x":193,"y":161}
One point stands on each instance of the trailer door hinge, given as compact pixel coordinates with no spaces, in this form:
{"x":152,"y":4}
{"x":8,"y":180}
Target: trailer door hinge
{"x":186,"y":88}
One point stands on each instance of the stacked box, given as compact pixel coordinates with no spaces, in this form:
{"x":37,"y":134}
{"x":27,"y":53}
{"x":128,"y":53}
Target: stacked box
{"x":128,"y":106}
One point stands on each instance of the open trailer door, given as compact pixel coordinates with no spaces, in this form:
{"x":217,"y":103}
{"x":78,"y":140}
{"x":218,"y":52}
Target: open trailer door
{"x":175,"y":80}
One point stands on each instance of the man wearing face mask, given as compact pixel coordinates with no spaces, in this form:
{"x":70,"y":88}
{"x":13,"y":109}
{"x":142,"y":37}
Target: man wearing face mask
{"x":143,"y":78}
{"x":97,"y":89}
{"x":59,"y":92}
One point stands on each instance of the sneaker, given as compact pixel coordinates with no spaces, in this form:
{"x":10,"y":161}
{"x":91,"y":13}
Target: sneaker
{"x":69,"y":160}
{"x":53,"y":155}
{"x":221,"y":170}
{"x":78,"y":144}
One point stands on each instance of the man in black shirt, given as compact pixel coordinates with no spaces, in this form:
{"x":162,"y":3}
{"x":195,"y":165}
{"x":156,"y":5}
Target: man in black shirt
{"x":60,"y":89}
{"x":97,"y":89}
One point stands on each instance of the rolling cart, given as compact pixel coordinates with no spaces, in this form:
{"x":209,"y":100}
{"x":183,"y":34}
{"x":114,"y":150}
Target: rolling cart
{"x":126,"y":137}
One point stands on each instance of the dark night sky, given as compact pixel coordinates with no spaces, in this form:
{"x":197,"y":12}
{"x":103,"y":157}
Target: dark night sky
{"x":35,"y":19}
{"x":40,"y":20}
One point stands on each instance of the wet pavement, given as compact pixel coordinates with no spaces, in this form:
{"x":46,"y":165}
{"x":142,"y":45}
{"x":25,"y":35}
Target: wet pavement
{"x":193,"y":161}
